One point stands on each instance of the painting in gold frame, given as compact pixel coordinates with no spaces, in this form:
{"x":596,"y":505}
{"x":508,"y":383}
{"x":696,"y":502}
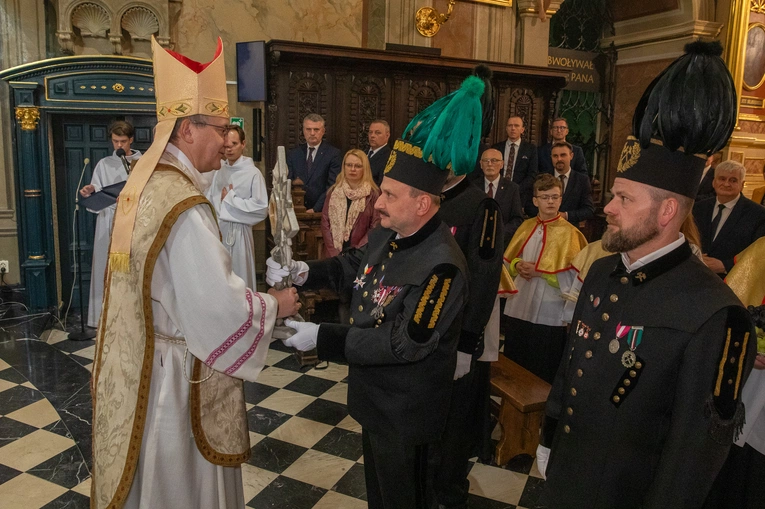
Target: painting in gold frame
{"x":503,"y":3}
{"x":754,"y":61}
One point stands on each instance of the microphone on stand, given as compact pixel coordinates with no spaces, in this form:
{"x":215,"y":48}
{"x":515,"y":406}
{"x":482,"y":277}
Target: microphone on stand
{"x":86,"y":162}
{"x":82,"y":334}
{"x":121,"y":154}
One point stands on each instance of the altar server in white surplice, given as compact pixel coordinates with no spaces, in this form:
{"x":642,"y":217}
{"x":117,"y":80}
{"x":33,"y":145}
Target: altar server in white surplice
{"x":109,"y":170}
{"x":238,"y":193}
{"x":179,"y":330}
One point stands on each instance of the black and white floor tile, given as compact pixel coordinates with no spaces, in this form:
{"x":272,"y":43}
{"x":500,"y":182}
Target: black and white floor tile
{"x":306,"y":449}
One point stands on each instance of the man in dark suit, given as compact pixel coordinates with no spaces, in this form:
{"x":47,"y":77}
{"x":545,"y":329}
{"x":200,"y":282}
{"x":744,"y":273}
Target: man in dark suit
{"x":729,"y":222}
{"x":504,"y":191}
{"x":379,"y":151}
{"x":316,"y":162}
{"x":520,"y":160}
{"x":576,"y":205}
{"x":558,"y":132}
{"x":706,"y":190}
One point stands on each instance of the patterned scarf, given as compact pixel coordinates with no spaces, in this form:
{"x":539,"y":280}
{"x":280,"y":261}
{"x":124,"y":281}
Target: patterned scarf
{"x":340,"y":223}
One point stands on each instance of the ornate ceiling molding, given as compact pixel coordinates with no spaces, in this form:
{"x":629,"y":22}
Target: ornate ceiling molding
{"x":116,"y":20}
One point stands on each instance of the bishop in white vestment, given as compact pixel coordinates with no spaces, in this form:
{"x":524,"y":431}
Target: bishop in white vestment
{"x":179,"y":330}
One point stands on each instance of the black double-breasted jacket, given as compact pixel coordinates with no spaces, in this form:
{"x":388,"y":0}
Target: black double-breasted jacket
{"x":475,"y":221}
{"x":406,"y":316}
{"x":654,"y":434}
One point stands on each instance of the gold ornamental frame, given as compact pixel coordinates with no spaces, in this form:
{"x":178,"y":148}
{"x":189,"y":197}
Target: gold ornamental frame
{"x":762,"y":78}
{"x":735,"y":50}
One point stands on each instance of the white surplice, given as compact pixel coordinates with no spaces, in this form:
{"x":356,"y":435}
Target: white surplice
{"x":108,"y":171}
{"x":536,"y":301}
{"x":244,"y":206}
{"x":196,"y":296}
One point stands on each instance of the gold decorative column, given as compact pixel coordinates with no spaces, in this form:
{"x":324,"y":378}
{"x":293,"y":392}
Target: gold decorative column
{"x":735,"y":45}
{"x":28,"y":117}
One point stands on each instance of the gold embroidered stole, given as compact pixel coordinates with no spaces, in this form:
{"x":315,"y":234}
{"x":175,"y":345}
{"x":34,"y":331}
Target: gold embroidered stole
{"x":562,"y":241}
{"x":125,"y":350}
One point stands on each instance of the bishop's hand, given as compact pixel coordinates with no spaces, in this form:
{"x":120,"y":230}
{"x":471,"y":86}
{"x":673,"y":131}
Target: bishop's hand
{"x":288,"y":301}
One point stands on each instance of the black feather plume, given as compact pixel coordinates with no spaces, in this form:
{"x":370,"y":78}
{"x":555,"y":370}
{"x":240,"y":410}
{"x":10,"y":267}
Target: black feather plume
{"x":691,"y":104}
{"x":487,"y":99}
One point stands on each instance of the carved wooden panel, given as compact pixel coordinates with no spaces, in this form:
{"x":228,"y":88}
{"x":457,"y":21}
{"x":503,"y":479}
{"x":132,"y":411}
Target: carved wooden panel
{"x":368,"y":103}
{"x":308,"y":94}
{"x":350,"y":87}
{"x":522,"y":105}
{"x":422,"y":93}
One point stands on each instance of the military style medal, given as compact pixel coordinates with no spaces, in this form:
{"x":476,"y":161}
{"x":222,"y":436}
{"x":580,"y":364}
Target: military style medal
{"x":621,"y":331}
{"x":582,"y":330}
{"x":382,"y":296}
{"x":628,"y":357}
{"x":359,"y":282}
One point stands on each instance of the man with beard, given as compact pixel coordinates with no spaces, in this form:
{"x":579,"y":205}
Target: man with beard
{"x":644,"y":409}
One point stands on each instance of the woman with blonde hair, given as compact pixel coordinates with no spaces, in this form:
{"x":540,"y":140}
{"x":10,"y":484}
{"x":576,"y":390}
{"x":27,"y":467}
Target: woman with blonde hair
{"x":349,"y":210}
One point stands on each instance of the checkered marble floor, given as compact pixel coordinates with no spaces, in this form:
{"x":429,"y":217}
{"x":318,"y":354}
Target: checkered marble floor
{"x":306,"y":449}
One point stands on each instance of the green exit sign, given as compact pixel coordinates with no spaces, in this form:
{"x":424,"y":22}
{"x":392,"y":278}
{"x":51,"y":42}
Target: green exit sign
{"x":237,"y":121}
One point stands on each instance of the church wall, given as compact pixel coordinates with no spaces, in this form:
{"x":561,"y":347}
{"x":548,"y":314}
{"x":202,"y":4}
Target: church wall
{"x":22,"y":39}
{"x":631,"y":82}
{"x":648,"y":37}
{"x":30,"y":31}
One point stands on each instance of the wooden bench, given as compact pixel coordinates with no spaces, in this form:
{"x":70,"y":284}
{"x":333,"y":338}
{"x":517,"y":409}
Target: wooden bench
{"x":521,"y":411}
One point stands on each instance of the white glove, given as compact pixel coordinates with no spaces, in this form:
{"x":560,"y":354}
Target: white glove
{"x":463,"y":365}
{"x":543,"y":456}
{"x":305,"y":337}
{"x":275,"y":272}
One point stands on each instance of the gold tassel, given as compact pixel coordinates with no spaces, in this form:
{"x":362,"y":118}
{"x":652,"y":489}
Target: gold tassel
{"x":119,"y":262}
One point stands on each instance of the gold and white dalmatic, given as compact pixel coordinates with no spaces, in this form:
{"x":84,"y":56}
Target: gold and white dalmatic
{"x":173,"y":312}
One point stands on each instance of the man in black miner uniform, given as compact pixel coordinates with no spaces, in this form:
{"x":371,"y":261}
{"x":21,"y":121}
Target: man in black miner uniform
{"x":475,"y":221}
{"x":410,"y":286}
{"x":379,"y":150}
{"x":644,"y":409}
{"x":730,"y":222}
{"x":521,"y":160}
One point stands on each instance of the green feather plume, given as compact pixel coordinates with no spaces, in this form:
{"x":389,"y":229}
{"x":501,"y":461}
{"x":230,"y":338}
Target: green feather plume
{"x":449,"y":130}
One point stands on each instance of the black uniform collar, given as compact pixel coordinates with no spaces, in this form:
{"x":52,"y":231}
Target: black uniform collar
{"x":655,"y":268}
{"x":423,"y":233}
{"x":456,"y":190}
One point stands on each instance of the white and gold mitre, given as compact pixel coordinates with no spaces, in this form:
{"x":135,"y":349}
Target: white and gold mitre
{"x":184,"y":87}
